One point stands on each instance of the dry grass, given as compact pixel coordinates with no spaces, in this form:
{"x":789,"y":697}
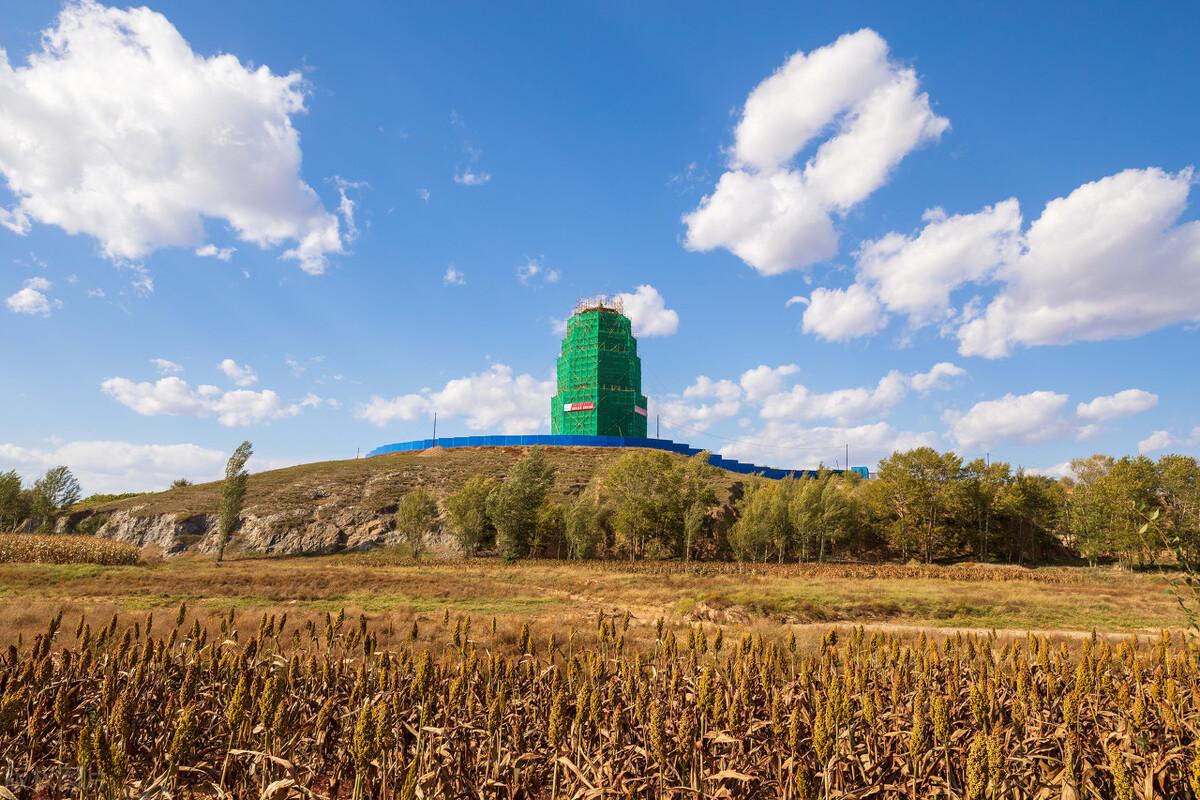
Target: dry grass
{"x":213,"y":705}
{"x":393,"y":590}
{"x":381,"y":481}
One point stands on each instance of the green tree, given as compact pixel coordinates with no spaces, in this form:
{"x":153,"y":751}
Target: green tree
{"x":467,"y":515}
{"x":1179,"y":496}
{"x":513,"y":506}
{"x":53,"y":492}
{"x":922,"y":490}
{"x":695,"y":527}
{"x":550,"y":533}
{"x":14,"y":505}
{"x":416,"y":519}
{"x":645,"y":489}
{"x":584,"y":532}
{"x":753,"y":536}
{"x":233,"y":495}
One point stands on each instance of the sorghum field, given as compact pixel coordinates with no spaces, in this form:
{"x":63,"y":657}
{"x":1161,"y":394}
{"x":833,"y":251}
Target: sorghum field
{"x":373,"y":676}
{"x":183,"y":708}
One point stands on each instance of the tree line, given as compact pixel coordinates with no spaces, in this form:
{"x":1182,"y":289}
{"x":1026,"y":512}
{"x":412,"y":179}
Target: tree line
{"x":922,"y":505}
{"x":36,"y":507}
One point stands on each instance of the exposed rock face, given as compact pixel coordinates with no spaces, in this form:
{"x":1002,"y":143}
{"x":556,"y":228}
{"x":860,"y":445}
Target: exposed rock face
{"x":167,"y":532}
{"x":304,"y":530}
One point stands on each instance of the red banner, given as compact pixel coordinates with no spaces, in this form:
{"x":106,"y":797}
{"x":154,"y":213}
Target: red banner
{"x":578,"y":406}
{"x":640,"y":410}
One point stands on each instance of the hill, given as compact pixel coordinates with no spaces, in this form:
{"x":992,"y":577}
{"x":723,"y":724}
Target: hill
{"x":332,"y":506}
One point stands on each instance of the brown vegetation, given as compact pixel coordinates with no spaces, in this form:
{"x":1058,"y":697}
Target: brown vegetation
{"x":459,"y":708}
{"x":32,"y":548}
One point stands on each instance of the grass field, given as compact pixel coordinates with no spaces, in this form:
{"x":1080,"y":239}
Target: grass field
{"x":392,"y":590}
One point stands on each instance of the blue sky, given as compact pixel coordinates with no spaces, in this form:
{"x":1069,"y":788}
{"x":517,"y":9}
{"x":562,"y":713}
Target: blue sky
{"x":369,"y":212}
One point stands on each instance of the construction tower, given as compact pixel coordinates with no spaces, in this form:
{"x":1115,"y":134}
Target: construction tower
{"x":599,"y":375}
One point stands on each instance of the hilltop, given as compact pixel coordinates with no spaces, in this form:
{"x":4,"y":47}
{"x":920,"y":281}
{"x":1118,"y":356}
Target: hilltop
{"x":333,"y":506}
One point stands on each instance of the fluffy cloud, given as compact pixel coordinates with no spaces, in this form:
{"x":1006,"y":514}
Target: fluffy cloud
{"x":1025,"y":418}
{"x":1121,"y":404}
{"x":841,"y":314}
{"x":1159,"y":440}
{"x":220,"y":253}
{"x":792,"y":446}
{"x":776,"y":216}
{"x":842,"y":405}
{"x":1109,"y":260}
{"x":240,"y":375}
{"x":648,"y":312}
{"x":108,"y":466}
{"x":32,"y":299}
{"x":118,"y":130}
{"x":935,"y":378}
{"x":718,"y":400}
{"x":517,"y":404}
{"x":174,"y":397}
{"x":764,"y":387}
{"x":914,"y":275}
{"x":763,"y":381}
{"x":165,"y":366}
{"x":454,"y":277}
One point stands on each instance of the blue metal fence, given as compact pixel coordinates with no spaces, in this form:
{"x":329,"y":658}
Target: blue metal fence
{"x":715,"y":459}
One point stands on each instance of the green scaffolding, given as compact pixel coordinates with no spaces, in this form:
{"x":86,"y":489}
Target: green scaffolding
{"x":599,"y":376}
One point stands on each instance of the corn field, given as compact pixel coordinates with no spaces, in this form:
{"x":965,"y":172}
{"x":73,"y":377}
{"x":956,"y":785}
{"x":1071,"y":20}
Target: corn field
{"x":195,"y":708}
{"x":34,"y":548}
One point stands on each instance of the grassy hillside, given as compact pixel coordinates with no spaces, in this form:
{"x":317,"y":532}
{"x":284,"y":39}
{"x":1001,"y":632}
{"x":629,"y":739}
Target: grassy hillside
{"x":378,"y":483}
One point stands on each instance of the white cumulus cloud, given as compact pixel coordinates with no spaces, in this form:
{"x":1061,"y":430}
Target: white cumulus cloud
{"x":648,"y":312}
{"x":1109,"y":260}
{"x":166,"y":366}
{"x":32,"y":299}
{"x":117,"y":466}
{"x":1121,"y":404}
{"x":793,"y":446}
{"x":1158,"y":440}
{"x":240,"y":375}
{"x":841,"y":314}
{"x":1031,"y":417}
{"x":776,"y":215}
{"x":494,"y":398}
{"x":118,"y":130}
{"x":763,"y":381}
{"x":174,"y":397}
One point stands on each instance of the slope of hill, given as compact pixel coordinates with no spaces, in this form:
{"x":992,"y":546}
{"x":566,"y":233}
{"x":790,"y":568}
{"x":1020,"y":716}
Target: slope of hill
{"x":331,"y":506}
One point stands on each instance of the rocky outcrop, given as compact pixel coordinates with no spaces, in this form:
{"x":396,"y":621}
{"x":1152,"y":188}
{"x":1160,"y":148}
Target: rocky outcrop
{"x":301,"y":530}
{"x":168,"y":533}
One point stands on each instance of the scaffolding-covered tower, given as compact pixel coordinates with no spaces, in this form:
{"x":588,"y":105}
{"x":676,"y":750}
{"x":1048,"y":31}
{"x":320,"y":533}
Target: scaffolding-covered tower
{"x":599,"y":375}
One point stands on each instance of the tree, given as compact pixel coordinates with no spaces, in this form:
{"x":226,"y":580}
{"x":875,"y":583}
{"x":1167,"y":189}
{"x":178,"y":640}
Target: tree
{"x":550,"y":530}
{"x":415,"y":519}
{"x":583,"y":525}
{"x":466,"y":512}
{"x":233,"y":494}
{"x":922,"y":488}
{"x":180,"y":483}
{"x":53,"y":492}
{"x":513,"y":506}
{"x":13,"y":501}
{"x":753,"y":535}
{"x":695,"y":525}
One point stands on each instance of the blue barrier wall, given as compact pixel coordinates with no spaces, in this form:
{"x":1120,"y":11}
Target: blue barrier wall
{"x":600,"y":441}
